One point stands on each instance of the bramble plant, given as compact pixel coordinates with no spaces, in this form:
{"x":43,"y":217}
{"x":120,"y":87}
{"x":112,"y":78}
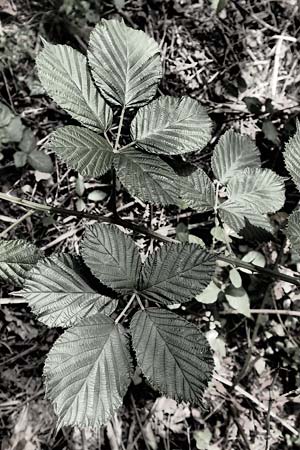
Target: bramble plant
{"x":89,"y":368}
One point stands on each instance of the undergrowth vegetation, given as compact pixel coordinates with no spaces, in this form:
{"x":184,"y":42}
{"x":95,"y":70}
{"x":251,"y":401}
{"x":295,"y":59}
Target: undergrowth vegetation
{"x":143,"y":139}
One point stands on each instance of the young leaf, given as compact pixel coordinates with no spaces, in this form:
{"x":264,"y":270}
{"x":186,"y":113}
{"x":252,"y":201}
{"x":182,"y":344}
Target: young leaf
{"x":235,"y":278}
{"x":171,"y":126}
{"x":20,"y":159}
{"x":173,"y":354}
{"x":233,"y":153}
{"x":112,"y":256}
{"x":175,"y":273}
{"x":147,"y":177}
{"x":59,"y":296}
{"x":198,"y":191}
{"x":64,"y":74}
{"x":82,"y":150}
{"x":293,"y":230}
{"x":125,"y":63}
{"x":260,"y":189}
{"x":88,"y":371}
{"x":238,"y":299}
{"x":209,"y":295}
{"x":40,"y":161}
{"x":292,"y":156}
{"x":16,"y":259}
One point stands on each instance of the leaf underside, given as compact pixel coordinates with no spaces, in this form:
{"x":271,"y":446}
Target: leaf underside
{"x":198,"y":191}
{"x":59,"y":296}
{"x":82,"y":150}
{"x":173,"y":354}
{"x":293,"y":230}
{"x":292,"y":156}
{"x":175,"y":273}
{"x":233,"y":153}
{"x":171,"y":126}
{"x":112,"y":256}
{"x":87,"y":372}
{"x":17,"y":257}
{"x":64,"y":74}
{"x":147,"y":177}
{"x":125,"y":63}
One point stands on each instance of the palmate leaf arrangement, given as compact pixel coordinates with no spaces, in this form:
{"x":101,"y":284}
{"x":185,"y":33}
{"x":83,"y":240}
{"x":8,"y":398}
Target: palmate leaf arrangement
{"x":90,"y":367}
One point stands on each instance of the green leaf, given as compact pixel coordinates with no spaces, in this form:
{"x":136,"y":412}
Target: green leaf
{"x":87,"y":372}
{"x":198,"y":191}
{"x":125,"y":63}
{"x":20,"y":159}
{"x":235,"y":278}
{"x":82,"y":150}
{"x":64,"y":73}
{"x":292,"y":156}
{"x":261,"y":189}
{"x":97,"y":196}
{"x":172,"y":126}
{"x":6,"y":115}
{"x":219,"y":5}
{"x":237,"y":214}
{"x":176,"y":272}
{"x":28,"y":142}
{"x":270,"y":132}
{"x":238,"y":299}
{"x":17,"y":257}
{"x":40,"y":161}
{"x":252,"y":193}
{"x":253,"y":257}
{"x":147,"y":177}
{"x":233,"y":153}
{"x":112,"y":256}
{"x":58,"y":294}
{"x":209,"y":295}
{"x":293,"y":230}
{"x":173,"y":354}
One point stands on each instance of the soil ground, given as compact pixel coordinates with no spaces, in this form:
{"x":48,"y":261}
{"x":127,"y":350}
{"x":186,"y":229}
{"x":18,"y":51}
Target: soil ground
{"x":243,"y":64}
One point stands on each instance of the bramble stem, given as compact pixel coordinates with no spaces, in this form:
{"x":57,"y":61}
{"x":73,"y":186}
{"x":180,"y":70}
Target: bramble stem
{"x":125,"y":147}
{"x":125,"y":309}
{"x":119,"y":128}
{"x":143,"y":230}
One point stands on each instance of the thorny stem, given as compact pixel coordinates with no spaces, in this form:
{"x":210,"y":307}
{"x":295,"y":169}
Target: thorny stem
{"x":122,"y":313}
{"x":143,"y":230}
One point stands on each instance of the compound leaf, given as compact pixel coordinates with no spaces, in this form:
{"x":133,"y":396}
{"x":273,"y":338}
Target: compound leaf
{"x":17,"y":257}
{"x":261,"y":189}
{"x":64,"y":74}
{"x":233,"y":153}
{"x":293,"y":230}
{"x":125,"y":63}
{"x":292,"y":156}
{"x":198,"y":191}
{"x":87,"y":372}
{"x":58,"y":294}
{"x":112,"y":256}
{"x":173,"y":354}
{"x":147,"y":177}
{"x":171,"y":126}
{"x":176,"y":272}
{"x":82,"y":150}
